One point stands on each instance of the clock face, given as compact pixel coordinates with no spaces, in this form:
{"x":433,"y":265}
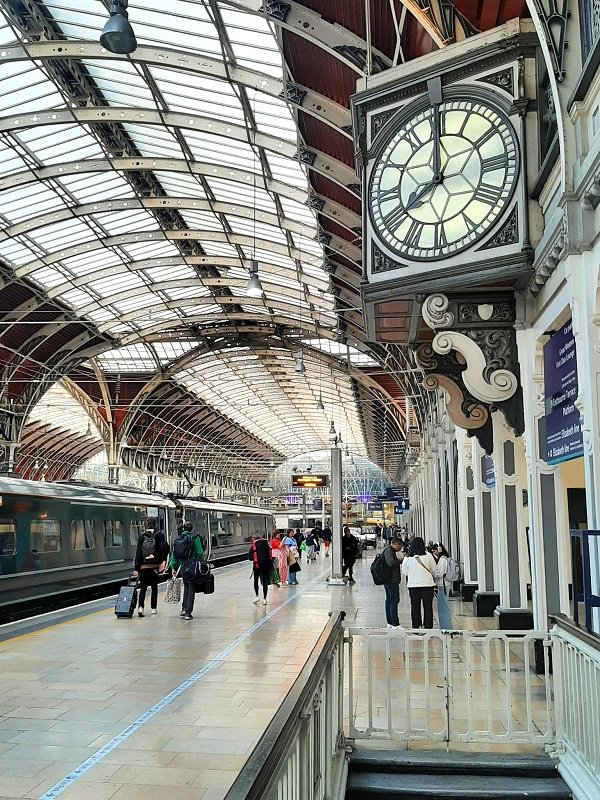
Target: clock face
{"x":443,"y":179}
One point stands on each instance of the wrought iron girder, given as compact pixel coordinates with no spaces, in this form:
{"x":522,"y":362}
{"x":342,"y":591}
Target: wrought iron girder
{"x":441,"y":20}
{"x":554,"y":16}
{"x":317,"y":105}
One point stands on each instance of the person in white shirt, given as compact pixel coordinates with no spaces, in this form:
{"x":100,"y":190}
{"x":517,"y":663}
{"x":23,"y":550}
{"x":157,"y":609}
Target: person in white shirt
{"x":419,"y":567}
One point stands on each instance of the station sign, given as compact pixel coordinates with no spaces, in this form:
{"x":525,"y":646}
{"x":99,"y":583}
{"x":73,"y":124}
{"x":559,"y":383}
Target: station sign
{"x":488,"y":473}
{"x":564,"y":439}
{"x":402,"y":505}
{"x":309,"y":481}
{"x":375,"y":506}
{"x":395,"y":492}
{"x":318,"y":504}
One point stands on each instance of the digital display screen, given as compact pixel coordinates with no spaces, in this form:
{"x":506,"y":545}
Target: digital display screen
{"x":309,"y":481}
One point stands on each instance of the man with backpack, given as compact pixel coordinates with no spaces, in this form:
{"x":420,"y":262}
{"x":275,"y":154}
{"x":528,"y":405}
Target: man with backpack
{"x":385,"y":570}
{"x":186,"y":546}
{"x":150,"y":556}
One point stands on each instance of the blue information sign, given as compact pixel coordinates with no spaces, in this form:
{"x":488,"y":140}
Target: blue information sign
{"x":318,"y":504}
{"x":563,"y":426}
{"x":402,"y":505}
{"x":488,"y":474}
{"x":375,"y":506}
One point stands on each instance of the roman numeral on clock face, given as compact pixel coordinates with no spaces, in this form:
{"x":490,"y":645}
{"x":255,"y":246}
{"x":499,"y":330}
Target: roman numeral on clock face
{"x":486,"y":194}
{"x":413,"y":234}
{"x":494,"y":162}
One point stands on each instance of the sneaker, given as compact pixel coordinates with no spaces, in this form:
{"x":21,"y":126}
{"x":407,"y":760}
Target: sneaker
{"x":154,"y":611}
{"x":140,"y":612}
{"x":256,"y":600}
{"x":182,"y":613}
{"x":265,"y":602}
{"x":188,"y":616}
{"x":351,"y":580}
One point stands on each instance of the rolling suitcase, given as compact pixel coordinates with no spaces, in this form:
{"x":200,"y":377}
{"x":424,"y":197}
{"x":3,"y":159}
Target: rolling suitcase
{"x":126,"y":602}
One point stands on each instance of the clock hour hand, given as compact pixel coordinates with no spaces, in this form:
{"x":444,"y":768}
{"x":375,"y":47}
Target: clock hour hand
{"x":414,"y":200}
{"x":434,"y":87}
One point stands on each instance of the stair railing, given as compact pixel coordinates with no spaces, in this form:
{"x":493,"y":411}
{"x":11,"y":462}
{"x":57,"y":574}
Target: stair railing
{"x":302,"y":754}
{"x":576,"y":668}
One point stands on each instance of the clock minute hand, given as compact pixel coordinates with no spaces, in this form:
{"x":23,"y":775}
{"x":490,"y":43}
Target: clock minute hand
{"x":434,"y":88}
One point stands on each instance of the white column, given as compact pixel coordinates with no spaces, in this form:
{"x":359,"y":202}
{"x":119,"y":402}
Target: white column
{"x":547,"y":509}
{"x":466,"y":509}
{"x":486,"y":540}
{"x":336,"y":518}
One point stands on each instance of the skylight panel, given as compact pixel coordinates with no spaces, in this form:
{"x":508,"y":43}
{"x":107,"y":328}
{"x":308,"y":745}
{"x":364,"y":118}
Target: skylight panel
{"x":286,"y":170}
{"x":214,"y":149}
{"x":112,"y":285}
{"x":10,"y":161}
{"x":135,"y":358}
{"x":180,"y":185}
{"x":169,"y":351}
{"x":24,"y":90}
{"x":153,"y":141}
{"x":202,"y":220}
{"x":190,"y":27}
{"x":78,"y":298}
{"x":134,"y":303}
{"x":31,"y":200}
{"x":90,"y":262}
{"x":245,"y":194}
{"x":54,"y":144}
{"x":160,"y":274}
{"x":96,"y":187}
{"x":62,"y":235}
{"x":219,"y":249}
{"x":159,"y":248}
{"x":120,"y":83}
{"x":190,"y":92}
{"x":118,"y":222}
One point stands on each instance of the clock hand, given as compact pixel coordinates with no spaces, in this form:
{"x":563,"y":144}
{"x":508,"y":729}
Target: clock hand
{"x":434,"y":87}
{"x":414,"y":200}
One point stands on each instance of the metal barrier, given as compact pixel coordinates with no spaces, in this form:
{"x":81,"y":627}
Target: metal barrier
{"x":302,"y":753}
{"x":459,"y":686}
{"x":576,"y":667}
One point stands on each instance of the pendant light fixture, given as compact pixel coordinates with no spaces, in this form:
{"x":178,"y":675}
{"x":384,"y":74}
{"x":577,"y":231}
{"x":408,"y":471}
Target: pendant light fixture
{"x":320,"y":406}
{"x":254,"y":286}
{"x":117,"y":35}
{"x":299,"y":369}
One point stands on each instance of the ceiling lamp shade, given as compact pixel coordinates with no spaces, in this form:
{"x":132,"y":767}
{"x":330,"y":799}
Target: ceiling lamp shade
{"x":332,"y":428}
{"x":117,"y":35}
{"x":254,"y":286}
{"x":320,"y":406}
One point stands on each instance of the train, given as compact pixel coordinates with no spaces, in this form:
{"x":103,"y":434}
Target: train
{"x":57,"y":537}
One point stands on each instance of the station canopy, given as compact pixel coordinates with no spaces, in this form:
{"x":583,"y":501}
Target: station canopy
{"x":137,"y":195}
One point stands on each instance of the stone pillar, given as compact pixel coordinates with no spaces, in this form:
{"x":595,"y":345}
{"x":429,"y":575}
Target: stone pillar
{"x":547,"y":508}
{"x":451,"y":535}
{"x":511,"y":522}
{"x":486,"y":598}
{"x":336,"y":518}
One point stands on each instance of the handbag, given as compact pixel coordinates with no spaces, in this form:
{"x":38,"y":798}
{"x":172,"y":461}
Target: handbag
{"x":173,"y":590}
{"x":195,"y":571}
{"x":294,"y":567}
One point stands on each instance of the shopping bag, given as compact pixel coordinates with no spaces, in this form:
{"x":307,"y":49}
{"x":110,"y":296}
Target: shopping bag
{"x":173,"y":591}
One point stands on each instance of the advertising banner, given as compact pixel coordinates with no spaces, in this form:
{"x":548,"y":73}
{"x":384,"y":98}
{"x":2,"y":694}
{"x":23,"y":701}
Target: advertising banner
{"x":488,"y":475}
{"x":563,"y":428}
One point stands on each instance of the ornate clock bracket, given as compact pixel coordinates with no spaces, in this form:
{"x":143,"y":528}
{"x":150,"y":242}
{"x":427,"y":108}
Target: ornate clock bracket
{"x":473,"y":357}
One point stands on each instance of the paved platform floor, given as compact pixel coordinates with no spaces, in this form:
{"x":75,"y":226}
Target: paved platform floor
{"x":162,"y":707}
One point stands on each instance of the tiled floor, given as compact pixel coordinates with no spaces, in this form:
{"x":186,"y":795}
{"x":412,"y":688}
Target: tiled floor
{"x":68,"y":690}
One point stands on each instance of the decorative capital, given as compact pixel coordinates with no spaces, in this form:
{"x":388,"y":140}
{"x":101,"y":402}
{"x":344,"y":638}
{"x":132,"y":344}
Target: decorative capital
{"x":463,"y":412}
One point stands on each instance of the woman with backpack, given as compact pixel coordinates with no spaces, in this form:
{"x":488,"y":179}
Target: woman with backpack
{"x":419,"y":567}
{"x":150,"y":556}
{"x":185,"y":547}
{"x":440,"y":554}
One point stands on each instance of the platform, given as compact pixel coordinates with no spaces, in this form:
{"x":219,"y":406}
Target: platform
{"x":95,"y":707}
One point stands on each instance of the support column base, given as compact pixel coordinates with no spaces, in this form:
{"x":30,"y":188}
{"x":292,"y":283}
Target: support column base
{"x":336,"y":580}
{"x":513,"y":619}
{"x":467,"y":590}
{"x":484,"y":603}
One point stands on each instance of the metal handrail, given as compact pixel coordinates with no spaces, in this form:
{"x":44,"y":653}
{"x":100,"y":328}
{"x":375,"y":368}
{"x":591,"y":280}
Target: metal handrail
{"x":274,"y":745}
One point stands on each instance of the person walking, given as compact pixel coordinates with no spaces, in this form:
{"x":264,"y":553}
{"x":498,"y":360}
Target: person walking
{"x":326,"y":537}
{"x":150,"y":557}
{"x":190,"y":547}
{"x":349,"y":549}
{"x":419,"y":567}
{"x":260,"y":555}
{"x":291,"y":550}
{"x":310,"y":547}
{"x":281,"y":555}
{"x":440,"y":554}
{"x":392,"y":583}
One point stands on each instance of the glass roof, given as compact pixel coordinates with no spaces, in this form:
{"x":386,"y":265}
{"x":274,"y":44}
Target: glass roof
{"x":139,"y":194}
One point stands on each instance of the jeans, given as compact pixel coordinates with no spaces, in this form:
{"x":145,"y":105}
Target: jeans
{"x":392,"y":598}
{"x":293,"y":578}
{"x":418,"y":595}
{"x":263,"y":574}
{"x":148,"y":578}
{"x":443,"y":609}
{"x":189,"y":594}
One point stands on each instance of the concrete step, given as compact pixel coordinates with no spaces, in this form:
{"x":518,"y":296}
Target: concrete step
{"x":377,"y":785}
{"x":440,"y":761}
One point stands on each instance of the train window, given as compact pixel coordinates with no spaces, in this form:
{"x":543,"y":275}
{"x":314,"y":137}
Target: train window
{"x":137,"y":526}
{"x":8,"y":537}
{"x":45,"y":535}
{"x":113,"y":533}
{"x":83,"y":533}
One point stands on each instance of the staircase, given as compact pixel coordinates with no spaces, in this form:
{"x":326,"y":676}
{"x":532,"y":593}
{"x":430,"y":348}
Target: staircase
{"x":438,"y":775}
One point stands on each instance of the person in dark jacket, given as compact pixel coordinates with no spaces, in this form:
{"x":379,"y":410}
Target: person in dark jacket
{"x":150,"y":557}
{"x":349,"y":549}
{"x":262,"y":563}
{"x":392,"y":584}
{"x":326,"y":537}
{"x":189,"y":590}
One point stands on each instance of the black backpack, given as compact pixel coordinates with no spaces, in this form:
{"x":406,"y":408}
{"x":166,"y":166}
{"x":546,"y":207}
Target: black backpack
{"x":182,"y":547}
{"x":380,"y":571}
{"x":149,"y":546}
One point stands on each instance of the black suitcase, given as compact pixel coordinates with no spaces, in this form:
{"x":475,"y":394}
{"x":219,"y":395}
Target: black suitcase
{"x":208,"y":587}
{"x":126,"y":602}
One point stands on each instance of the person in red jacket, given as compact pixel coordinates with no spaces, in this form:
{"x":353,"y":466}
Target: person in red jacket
{"x":260,"y":555}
